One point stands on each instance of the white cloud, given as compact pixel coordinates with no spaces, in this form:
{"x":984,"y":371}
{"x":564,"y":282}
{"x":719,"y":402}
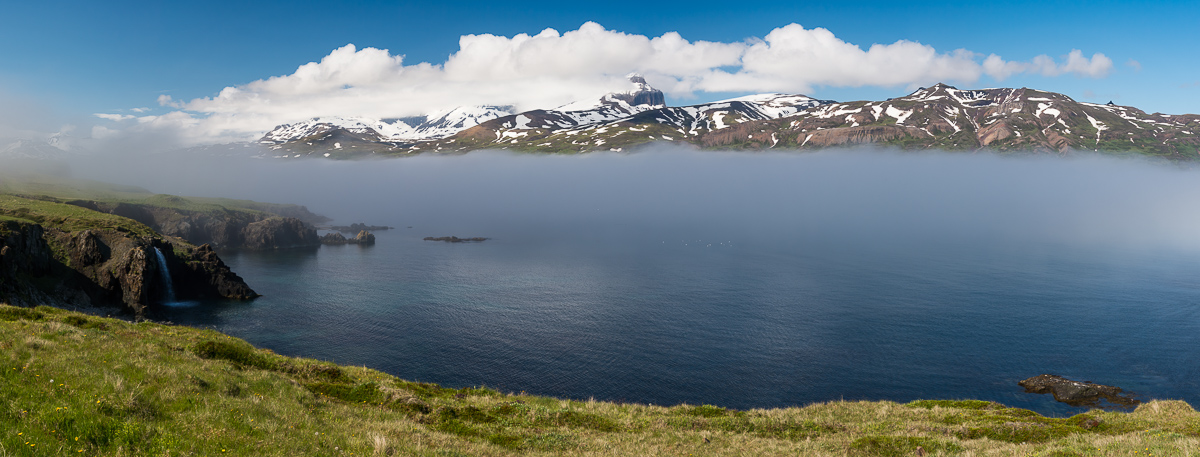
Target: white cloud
{"x":1098,"y":66}
{"x":1135,"y":65}
{"x":550,"y":68}
{"x":114,"y":117}
{"x":101,"y":132}
{"x":140,"y":110}
{"x":166,"y":100}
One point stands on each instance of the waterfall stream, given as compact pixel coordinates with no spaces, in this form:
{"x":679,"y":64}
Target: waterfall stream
{"x":166,"y":276}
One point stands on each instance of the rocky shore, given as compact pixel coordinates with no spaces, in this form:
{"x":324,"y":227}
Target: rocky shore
{"x":107,"y":267}
{"x":220,"y":227}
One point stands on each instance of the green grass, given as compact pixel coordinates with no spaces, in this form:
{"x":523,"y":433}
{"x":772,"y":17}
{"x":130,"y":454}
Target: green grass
{"x":50,"y":212}
{"x":73,"y":384}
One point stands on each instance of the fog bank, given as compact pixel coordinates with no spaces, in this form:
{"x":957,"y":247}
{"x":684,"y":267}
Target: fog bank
{"x":856,"y":196}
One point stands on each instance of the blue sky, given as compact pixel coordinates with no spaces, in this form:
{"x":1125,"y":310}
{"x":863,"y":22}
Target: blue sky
{"x":73,"y":59}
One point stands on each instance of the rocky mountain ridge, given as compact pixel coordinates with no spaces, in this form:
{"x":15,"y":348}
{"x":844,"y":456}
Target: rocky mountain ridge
{"x":937,"y":117}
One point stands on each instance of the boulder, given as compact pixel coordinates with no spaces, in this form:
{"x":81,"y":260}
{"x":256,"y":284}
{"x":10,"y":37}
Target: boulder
{"x":364,"y":237}
{"x":1076,"y":393}
{"x":333,"y":238}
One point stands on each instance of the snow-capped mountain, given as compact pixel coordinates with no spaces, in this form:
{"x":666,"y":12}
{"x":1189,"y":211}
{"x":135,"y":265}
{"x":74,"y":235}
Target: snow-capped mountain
{"x":937,"y":117}
{"x":404,"y":130}
{"x":32,"y":156}
{"x":33,"y":150}
{"x":602,"y":127}
{"x":331,"y":136}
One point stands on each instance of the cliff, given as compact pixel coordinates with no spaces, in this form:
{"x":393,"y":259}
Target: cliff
{"x":53,"y":253}
{"x":218,"y":225}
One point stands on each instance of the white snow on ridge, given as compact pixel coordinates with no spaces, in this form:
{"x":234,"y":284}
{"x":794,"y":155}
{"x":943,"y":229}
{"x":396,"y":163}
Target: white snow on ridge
{"x":438,"y":125}
{"x":1045,"y":108}
{"x":522,"y":122}
{"x":899,"y":114}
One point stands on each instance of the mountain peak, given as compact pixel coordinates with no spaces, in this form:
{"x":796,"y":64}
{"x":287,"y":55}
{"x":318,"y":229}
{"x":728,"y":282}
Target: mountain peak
{"x":640,"y":97}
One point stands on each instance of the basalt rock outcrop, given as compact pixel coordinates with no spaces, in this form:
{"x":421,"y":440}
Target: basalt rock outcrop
{"x":216,"y":225}
{"x":1076,"y":393}
{"x":279,"y":233}
{"x":334,"y":238}
{"x":106,"y":268}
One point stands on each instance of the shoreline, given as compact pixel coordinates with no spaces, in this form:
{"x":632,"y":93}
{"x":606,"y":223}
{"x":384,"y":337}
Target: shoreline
{"x":170,"y":383}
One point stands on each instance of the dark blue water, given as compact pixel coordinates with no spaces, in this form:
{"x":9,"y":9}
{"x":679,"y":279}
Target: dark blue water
{"x":807,"y":284}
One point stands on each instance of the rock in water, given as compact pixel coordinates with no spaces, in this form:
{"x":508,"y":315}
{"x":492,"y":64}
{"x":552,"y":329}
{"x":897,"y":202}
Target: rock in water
{"x":279,"y":233}
{"x":455,"y":239}
{"x":1076,"y":393}
{"x":333,"y":238}
{"x":364,"y":237}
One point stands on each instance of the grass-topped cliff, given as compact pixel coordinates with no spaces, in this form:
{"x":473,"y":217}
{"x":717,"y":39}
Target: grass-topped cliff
{"x":73,"y":384}
{"x":79,"y":243}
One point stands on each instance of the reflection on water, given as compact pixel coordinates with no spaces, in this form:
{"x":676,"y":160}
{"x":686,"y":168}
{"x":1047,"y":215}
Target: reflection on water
{"x":743,"y":281}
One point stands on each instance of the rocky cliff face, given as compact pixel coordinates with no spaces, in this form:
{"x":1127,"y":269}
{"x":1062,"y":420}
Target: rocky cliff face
{"x":221,"y":227}
{"x":278,"y":233}
{"x":106,"y":268}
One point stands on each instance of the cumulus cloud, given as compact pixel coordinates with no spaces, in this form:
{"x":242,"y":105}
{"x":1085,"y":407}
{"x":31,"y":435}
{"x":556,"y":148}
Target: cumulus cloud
{"x":550,"y":68}
{"x":1098,"y":66}
{"x":114,"y":117}
{"x":166,"y":100}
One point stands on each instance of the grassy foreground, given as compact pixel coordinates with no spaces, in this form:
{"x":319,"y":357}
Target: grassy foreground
{"x":73,"y":384}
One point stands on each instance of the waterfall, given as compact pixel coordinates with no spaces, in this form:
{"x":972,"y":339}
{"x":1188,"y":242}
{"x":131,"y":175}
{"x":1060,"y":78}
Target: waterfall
{"x":166,"y":275}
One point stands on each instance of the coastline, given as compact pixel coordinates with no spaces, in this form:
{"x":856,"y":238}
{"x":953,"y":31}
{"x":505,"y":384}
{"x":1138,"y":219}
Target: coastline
{"x":145,"y":388}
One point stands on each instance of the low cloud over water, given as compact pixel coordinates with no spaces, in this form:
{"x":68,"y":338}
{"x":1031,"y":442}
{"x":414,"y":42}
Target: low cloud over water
{"x":861,"y":195}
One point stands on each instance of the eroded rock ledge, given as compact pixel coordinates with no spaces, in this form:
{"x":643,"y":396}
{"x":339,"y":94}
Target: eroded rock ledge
{"x":1076,"y":393}
{"x":105,"y":268}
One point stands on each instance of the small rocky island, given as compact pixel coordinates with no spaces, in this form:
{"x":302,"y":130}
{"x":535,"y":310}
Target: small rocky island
{"x":455,"y":239}
{"x":1076,"y":393}
{"x":363,"y":238}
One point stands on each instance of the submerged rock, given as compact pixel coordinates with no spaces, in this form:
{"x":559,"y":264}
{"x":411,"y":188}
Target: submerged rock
{"x":455,"y":239}
{"x":1076,"y":393}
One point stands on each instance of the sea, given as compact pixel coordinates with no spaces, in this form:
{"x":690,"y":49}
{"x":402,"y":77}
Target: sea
{"x":742,"y":280}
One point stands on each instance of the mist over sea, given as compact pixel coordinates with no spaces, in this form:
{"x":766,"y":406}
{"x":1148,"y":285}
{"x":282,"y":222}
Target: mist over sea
{"x":735,"y":279}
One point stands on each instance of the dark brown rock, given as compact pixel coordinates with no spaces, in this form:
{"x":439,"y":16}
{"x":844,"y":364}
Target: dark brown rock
{"x":224,"y":228}
{"x":279,"y":233}
{"x":106,"y":268}
{"x":205,"y":275}
{"x":455,"y":239}
{"x":364,"y":237}
{"x":333,"y":238}
{"x":1076,"y":393}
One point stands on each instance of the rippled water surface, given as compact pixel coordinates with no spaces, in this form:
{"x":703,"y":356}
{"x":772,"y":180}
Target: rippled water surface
{"x":744,"y":281}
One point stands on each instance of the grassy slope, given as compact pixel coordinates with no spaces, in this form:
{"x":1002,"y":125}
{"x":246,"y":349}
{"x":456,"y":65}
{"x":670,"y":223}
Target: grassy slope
{"x":72,"y":384}
{"x":65,"y":189}
{"x":51,"y":213}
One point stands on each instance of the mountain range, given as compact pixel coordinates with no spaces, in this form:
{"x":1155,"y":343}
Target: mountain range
{"x":937,"y":117}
